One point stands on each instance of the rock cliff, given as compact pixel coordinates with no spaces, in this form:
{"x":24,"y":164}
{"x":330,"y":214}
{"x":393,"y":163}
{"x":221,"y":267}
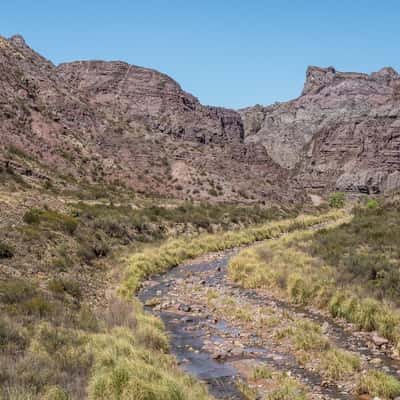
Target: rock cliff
{"x":113,"y":122}
{"x":343,"y":131}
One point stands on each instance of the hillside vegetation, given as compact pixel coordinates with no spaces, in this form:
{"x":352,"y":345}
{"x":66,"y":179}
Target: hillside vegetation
{"x":64,"y":333}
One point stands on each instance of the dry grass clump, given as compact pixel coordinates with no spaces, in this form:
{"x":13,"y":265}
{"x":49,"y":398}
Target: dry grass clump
{"x":262,"y":372}
{"x":377,"y":383}
{"x":337,"y":363}
{"x":288,"y":389}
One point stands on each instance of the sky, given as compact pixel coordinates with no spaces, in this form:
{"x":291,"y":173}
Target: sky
{"x":226,"y":53}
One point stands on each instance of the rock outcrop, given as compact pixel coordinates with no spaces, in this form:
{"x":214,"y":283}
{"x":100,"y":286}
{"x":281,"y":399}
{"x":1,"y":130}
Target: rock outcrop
{"x":134,"y":93}
{"x":343,"y":132}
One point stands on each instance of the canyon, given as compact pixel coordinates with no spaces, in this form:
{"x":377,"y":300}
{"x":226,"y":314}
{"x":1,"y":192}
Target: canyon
{"x":113,"y":122}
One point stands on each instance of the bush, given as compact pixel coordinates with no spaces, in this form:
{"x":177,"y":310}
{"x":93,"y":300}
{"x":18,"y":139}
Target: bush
{"x":62,"y":286}
{"x":56,"y":393}
{"x":337,"y":200}
{"x":119,"y":313}
{"x":54,"y":219}
{"x":16,"y":290}
{"x":372,"y":204}
{"x":262,"y":372}
{"x":37,"y":306}
{"x":6,"y":251}
{"x":10,"y":333}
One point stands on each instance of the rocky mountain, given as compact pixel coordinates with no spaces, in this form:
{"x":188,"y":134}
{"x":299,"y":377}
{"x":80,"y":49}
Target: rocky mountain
{"x":132,"y":93}
{"x":113,"y":122}
{"x":342,"y":132}
{"x":97,"y":121}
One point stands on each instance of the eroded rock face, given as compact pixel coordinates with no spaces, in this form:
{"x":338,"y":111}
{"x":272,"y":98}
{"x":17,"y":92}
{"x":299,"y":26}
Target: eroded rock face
{"x":343,"y":131}
{"x":112,"y":122}
{"x":132,"y":92}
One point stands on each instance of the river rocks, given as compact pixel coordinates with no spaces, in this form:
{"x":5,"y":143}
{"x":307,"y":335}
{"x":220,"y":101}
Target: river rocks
{"x":153,"y":302}
{"x":325,"y":327}
{"x":375,"y":361}
{"x":237,"y":325}
{"x":185,"y":308}
{"x":378,"y":340}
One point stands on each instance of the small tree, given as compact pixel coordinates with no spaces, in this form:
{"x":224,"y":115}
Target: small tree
{"x":336,"y":200}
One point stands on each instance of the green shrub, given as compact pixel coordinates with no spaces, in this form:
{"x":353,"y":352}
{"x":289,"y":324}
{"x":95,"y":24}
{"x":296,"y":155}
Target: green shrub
{"x":372,"y":204}
{"x":37,"y":306}
{"x":63,"y":285}
{"x":61,"y":264}
{"x":87,"y":320}
{"x":288,"y":389}
{"x":10,"y":333}
{"x":56,"y":393}
{"x":16,"y":290}
{"x":6,"y":251}
{"x":94,"y":248}
{"x":32,"y":217}
{"x":337,"y":200}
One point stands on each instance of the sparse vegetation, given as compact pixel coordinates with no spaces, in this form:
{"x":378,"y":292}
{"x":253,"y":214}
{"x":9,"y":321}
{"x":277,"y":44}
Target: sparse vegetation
{"x":262,"y":372}
{"x":60,"y":249}
{"x":174,"y":251}
{"x":337,"y":200}
{"x":6,"y":251}
{"x":53,"y":219}
{"x":377,"y":383}
{"x":338,"y":269}
{"x":337,"y":363}
{"x":288,"y":389}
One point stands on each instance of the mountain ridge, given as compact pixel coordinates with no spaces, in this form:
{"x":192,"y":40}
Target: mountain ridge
{"x":115,"y":122}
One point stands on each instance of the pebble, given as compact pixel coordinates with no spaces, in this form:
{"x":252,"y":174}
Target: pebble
{"x":376,"y":361}
{"x":184,"y":307}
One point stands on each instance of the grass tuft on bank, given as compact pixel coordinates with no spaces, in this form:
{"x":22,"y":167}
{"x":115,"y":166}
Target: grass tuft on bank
{"x":175,"y":251}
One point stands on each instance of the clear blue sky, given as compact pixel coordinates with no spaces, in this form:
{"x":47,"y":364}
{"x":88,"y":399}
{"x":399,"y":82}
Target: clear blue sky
{"x":229,"y":53}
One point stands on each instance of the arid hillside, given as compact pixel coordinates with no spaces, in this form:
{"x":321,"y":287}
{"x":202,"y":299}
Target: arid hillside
{"x":110,"y":122}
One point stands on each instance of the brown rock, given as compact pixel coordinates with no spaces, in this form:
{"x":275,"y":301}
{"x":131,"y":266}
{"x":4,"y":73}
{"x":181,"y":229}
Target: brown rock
{"x":342,"y":133}
{"x":378,"y":340}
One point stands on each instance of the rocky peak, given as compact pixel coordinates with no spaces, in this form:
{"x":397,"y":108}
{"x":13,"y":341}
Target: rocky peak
{"x":18,"y":40}
{"x":386,"y":73}
{"x":317,"y":77}
{"x":343,"y":131}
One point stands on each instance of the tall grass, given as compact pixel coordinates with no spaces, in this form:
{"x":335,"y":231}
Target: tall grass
{"x":288,"y":267}
{"x":175,"y":251}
